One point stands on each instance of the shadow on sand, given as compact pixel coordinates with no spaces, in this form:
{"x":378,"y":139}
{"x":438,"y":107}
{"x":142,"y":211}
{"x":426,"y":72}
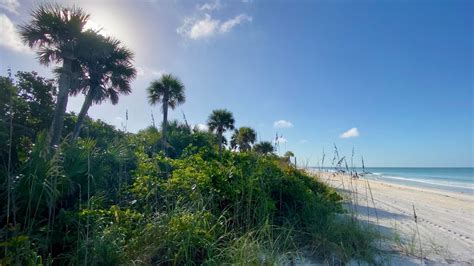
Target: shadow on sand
{"x":363,"y":210}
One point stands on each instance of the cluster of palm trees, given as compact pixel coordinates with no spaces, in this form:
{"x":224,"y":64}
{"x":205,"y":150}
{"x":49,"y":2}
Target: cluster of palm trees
{"x":99,"y":67}
{"x":169,"y":92}
{"x":242,"y":139}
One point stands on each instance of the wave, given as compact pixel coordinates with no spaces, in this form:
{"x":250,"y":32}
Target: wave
{"x":430,"y":182}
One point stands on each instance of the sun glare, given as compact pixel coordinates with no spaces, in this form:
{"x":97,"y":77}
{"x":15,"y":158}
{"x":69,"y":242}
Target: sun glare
{"x":92,"y":25}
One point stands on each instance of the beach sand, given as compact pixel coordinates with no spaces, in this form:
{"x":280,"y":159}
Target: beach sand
{"x":445,"y":220}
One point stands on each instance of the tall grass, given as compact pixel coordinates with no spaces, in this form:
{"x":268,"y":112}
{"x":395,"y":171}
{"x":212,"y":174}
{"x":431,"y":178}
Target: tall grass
{"x":415,"y":217}
{"x":350,"y":191}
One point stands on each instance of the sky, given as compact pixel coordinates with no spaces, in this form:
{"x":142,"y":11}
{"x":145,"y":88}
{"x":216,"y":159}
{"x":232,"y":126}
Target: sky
{"x":391,"y":79}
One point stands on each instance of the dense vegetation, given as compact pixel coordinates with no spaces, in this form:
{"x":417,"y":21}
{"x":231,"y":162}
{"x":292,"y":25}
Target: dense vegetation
{"x":173,"y":195}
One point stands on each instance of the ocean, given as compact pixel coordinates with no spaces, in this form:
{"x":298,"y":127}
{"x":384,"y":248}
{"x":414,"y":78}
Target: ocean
{"x":448,"y":179}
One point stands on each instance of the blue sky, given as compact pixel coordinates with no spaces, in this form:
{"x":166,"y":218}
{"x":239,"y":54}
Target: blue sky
{"x":391,"y":79}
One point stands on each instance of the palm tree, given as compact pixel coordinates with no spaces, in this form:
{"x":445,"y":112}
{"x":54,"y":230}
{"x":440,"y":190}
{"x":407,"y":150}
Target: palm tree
{"x":54,"y":32}
{"x":107,"y":72}
{"x":264,"y":147}
{"x":169,"y":91}
{"x":243,"y":138}
{"x":220,"y":121}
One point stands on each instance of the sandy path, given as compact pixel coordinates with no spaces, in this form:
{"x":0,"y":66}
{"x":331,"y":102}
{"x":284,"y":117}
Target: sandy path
{"x":445,"y":220}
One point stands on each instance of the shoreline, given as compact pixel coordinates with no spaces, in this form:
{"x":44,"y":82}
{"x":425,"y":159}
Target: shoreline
{"x":457,"y":185}
{"x":445,"y":218}
{"x":448,"y":193}
{"x":420,"y":184}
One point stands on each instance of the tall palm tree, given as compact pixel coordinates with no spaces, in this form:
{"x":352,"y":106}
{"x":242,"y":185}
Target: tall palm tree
{"x":220,"y":121}
{"x":107,"y":72}
{"x":243,"y":138}
{"x":54,"y":31}
{"x":169,"y":91}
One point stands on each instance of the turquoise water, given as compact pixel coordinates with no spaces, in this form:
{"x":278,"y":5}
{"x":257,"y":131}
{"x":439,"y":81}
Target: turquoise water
{"x":448,"y":179}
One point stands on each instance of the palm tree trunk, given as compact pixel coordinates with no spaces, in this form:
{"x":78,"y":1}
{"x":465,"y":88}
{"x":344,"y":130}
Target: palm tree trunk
{"x":220,"y":144}
{"x":61,"y":103}
{"x":164,"y":128}
{"x":82,"y":114}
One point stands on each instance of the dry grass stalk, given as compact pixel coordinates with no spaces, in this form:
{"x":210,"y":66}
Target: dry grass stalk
{"x":418,"y":233}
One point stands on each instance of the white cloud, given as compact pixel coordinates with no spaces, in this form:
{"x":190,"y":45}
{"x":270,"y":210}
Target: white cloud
{"x":10,"y":5}
{"x":207,"y":27}
{"x":9,"y":37}
{"x":204,"y":28}
{"x":201,"y":127}
{"x":281,"y":140}
{"x":118,"y":118}
{"x":146,"y":71}
{"x":282,"y":124}
{"x":197,"y":29}
{"x":351,"y":133}
{"x":302,"y":141}
{"x":216,"y":4}
{"x":231,"y":23}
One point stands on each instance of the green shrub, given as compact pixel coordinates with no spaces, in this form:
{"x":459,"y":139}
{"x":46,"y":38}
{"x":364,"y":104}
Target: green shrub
{"x":124,"y":202}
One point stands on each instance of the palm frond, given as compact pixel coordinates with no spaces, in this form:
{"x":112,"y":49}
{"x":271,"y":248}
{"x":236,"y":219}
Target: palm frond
{"x":107,"y":66}
{"x":53,"y":28}
{"x":220,"y":120}
{"x":168,"y":88}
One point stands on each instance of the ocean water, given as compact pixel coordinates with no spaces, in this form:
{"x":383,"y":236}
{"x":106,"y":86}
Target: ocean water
{"x":448,"y":179}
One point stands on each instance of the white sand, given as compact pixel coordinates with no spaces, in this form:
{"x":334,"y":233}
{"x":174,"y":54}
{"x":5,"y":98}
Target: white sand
{"x":445,"y":220}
